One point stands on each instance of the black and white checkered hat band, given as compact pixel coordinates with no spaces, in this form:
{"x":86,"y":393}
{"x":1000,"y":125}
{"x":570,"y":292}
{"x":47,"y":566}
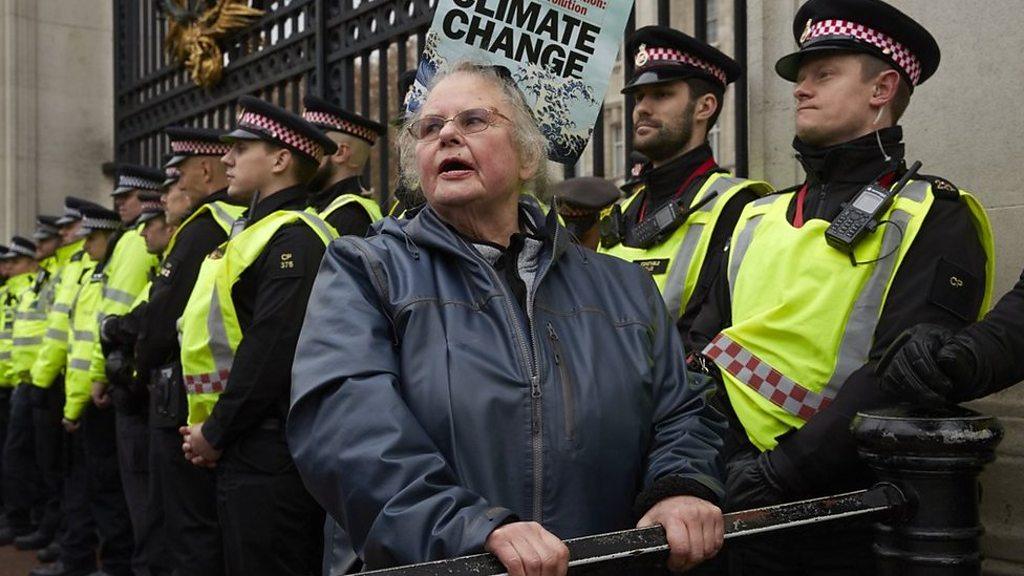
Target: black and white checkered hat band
{"x":899,"y":53}
{"x":172,"y":172}
{"x":100,"y":224}
{"x":139,"y":183}
{"x":72,"y":214}
{"x":21,"y":250}
{"x":267,"y":126}
{"x":199,"y":148}
{"x":339,"y":124}
{"x":661,"y":55}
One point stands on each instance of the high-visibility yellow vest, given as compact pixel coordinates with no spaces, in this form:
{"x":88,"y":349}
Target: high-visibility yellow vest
{"x":30,"y":319}
{"x":368,"y":204}
{"x":11,"y":289}
{"x":125,"y":276}
{"x":5,"y":335}
{"x":675,"y":264}
{"x":52,"y":357}
{"x":22,"y":325}
{"x":803,"y":317}
{"x":83,"y":338}
{"x":224,"y":214}
{"x":208,"y":328}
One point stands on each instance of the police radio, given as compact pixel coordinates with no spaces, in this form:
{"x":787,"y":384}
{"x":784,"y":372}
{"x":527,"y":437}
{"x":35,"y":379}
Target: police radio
{"x":652,"y":229}
{"x":862,"y":215}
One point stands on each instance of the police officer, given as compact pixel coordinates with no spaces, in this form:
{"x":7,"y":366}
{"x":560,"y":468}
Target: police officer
{"x":46,"y":400}
{"x":932,"y":364}
{"x":676,"y":220}
{"x":341,"y":199}
{"x":198,"y":202}
{"x":799,"y":322}
{"x":5,"y":358}
{"x":238,"y":345}
{"x":49,"y":366}
{"x":94,"y":498}
{"x":21,"y":473}
{"x":580,"y":201}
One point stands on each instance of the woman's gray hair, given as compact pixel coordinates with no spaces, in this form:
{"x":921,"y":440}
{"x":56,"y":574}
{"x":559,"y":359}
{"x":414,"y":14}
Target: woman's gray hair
{"x":531,"y":145}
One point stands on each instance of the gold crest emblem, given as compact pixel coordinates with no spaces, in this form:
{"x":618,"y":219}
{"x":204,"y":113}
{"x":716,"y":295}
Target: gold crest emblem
{"x":807,"y":31}
{"x":641,"y":55}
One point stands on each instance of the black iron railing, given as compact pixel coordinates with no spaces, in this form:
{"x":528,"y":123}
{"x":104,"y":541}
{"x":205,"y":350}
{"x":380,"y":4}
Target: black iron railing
{"x":348,"y":51}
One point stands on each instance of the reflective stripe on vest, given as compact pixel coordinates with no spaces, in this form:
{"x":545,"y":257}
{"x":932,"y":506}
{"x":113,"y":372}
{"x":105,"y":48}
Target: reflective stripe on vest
{"x":83,"y":336}
{"x":79,"y":364}
{"x":61,"y":308}
{"x":30,"y":316}
{"x":5,"y":355}
{"x":29,"y":341}
{"x":789,"y":295}
{"x":54,"y":334}
{"x":119,"y":296}
{"x":224,"y":214}
{"x":370,"y":206}
{"x":764,"y":379}
{"x":208,"y":329}
{"x":685,"y":250}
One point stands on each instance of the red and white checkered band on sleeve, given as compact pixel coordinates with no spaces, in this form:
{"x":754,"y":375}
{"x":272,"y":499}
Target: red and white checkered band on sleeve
{"x":212,"y":383}
{"x":274,"y":129}
{"x":340,"y":124}
{"x":199,"y":148}
{"x":899,"y":53}
{"x":656,"y":55}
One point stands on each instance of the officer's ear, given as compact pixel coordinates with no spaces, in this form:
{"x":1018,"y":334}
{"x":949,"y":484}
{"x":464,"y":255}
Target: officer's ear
{"x":342,"y":154}
{"x":885,"y":87}
{"x":281,"y":160}
{"x":207,"y":170}
{"x":707,"y":105}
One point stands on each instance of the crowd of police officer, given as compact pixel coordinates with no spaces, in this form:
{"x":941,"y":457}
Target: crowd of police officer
{"x":146,"y":351}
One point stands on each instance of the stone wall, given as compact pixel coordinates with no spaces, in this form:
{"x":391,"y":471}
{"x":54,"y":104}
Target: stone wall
{"x":56,"y":97}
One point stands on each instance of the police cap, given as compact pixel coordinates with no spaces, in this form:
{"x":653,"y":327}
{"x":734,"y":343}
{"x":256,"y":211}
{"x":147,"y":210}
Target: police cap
{"x":46,"y":227}
{"x":96,"y":217}
{"x":71,"y":212}
{"x":187,"y":142}
{"x":136,"y":177}
{"x":331,"y":118}
{"x":19,"y":247}
{"x":862,"y":26}
{"x":662,"y":54}
{"x":586,"y":194}
{"x":259,"y":120}
{"x":152,"y":207}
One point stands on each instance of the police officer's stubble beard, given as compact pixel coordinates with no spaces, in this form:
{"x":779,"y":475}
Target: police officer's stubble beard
{"x":669,"y":142}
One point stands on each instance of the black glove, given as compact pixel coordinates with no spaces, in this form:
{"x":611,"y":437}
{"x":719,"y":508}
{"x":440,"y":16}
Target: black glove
{"x":119,"y":369}
{"x":909,"y":369}
{"x":970,"y":376}
{"x":752,"y":483}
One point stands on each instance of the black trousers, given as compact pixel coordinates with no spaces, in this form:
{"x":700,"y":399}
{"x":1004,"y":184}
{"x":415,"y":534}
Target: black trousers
{"x":271,"y":525}
{"x":49,"y":438}
{"x":841,"y":548}
{"x":78,"y":543}
{"x":106,"y":495}
{"x":147,"y":522}
{"x":5,"y":416}
{"x":21,"y":475}
{"x":189,"y":496}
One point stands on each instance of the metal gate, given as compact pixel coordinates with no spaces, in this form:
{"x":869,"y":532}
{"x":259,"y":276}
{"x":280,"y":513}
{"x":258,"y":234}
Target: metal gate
{"x":348,"y":51}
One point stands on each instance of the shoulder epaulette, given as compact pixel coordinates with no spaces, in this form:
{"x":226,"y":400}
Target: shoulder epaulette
{"x":942,"y":188}
{"x":78,"y":256}
{"x":786,"y":190}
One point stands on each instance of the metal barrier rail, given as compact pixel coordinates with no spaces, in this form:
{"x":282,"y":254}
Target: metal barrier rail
{"x":927,"y":503}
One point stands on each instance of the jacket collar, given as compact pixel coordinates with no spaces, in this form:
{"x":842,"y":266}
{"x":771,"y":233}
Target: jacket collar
{"x":856,"y":161}
{"x":64,"y":253}
{"x":663,"y":181}
{"x":322,"y":199}
{"x":428,"y":230}
{"x":293,"y":198}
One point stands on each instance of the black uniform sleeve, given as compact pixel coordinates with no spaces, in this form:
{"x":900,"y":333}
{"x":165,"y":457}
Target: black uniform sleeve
{"x":260,"y":380}
{"x":714,"y":263}
{"x":998,"y":342}
{"x":716,"y":313}
{"x":158,"y":337}
{"x":350,"y":220}
{"x":822,"y":455}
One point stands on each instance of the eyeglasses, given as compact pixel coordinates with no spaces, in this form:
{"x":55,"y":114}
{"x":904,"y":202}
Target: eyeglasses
{"x":469,"y":121}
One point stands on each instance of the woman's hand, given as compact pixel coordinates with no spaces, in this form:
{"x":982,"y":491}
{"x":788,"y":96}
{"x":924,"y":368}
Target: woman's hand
{"x":527,"y":549}
{"x":694,"y":528}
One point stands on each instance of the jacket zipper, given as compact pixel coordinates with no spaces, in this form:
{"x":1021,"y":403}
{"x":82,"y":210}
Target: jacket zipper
{"x":566,"y":380}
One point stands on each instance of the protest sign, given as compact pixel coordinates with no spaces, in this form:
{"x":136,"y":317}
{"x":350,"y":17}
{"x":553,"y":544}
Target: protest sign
{"x":559,"y":52}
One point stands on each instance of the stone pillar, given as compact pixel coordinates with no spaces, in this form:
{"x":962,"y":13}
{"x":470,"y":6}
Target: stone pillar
{"x":934,"y":457}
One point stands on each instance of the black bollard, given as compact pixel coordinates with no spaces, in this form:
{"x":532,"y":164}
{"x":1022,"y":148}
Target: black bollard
{"x":934,"y":456}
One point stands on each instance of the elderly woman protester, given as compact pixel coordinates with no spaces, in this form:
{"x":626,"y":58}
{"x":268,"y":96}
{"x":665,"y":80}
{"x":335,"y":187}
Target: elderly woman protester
{"x":469,"y":380}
